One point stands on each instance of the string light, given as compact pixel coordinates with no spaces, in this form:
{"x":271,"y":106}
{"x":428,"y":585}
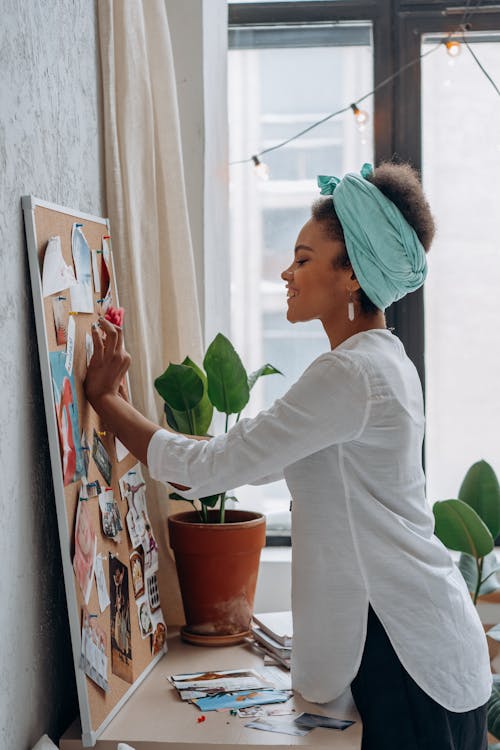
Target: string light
{"x":261,"y":168}
{"x":453,"y":47}
{"x":361,"y":117}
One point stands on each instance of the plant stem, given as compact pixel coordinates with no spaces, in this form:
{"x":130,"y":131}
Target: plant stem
{"x":479,"y":563}
{"x":227,"y":422}
{"x":191,"y":422}
{"x":204,"y":513}
{"x":222,"y":508}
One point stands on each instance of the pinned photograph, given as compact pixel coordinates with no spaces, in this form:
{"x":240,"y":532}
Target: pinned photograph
{"x":66,"y":404}
{"x":144,"y":615}
{"x":85,"y":549}
{"x":100,"y":456}
{"x":121,"y":636}
{"x":137,"y":573}
{"x":150,"y":548}
{"x":102,"y":588}
{"x":132,"y":488}
{"x":82,"y":298}
{"x":110,"y":514}
{"x":93,"y":657}
{"x":105,"y":292}
{"x":153,"y":591}
{"x":159,"y":639}
{"x":56,"y":275}
{"x":60,"y":320}
{"x":136,"y":529}
{"x":85,"y":451}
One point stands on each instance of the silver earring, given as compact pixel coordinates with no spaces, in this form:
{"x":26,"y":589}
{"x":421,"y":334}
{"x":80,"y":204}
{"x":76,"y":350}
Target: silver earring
{"x":350,"y":308}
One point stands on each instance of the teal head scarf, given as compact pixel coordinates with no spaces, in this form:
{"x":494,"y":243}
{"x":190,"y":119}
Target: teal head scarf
{"x":385,"y":252}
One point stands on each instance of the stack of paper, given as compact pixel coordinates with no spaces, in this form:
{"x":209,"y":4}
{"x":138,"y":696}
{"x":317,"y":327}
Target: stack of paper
{"x":234,"y":688}
{"x":273,"y":633}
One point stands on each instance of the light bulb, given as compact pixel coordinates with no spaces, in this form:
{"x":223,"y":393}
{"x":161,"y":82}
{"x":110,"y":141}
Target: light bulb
{"x":361,"y":117}
{"x":453,"y":47}
{"x":260,"y":168}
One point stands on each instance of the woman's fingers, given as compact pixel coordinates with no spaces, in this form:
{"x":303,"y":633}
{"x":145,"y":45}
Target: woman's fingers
{"x":98,"y":344}
{"x":111,"y":331}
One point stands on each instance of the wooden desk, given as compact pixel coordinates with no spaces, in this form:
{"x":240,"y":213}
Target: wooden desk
{"x":154,"y":718}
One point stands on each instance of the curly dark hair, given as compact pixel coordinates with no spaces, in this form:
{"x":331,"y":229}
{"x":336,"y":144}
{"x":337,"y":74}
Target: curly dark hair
{"x":401,"y":184}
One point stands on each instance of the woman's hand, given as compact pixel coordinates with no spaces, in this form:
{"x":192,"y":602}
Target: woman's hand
{"x":108,"y":365}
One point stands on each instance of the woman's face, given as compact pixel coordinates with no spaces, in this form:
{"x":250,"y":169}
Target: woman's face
{"x":317,"y":290}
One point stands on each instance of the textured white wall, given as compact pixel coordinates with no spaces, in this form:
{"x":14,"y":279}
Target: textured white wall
{"x":50,"y":145}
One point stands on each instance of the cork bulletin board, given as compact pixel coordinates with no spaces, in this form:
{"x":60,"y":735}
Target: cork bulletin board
{"x":109,"y":552}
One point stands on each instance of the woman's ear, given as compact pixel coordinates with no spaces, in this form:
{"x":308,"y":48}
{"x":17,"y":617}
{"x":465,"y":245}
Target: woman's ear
{"x":354,"y":284}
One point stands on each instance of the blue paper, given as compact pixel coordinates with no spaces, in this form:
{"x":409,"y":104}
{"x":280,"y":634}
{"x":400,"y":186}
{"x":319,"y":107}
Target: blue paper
{"x":241,"y":699}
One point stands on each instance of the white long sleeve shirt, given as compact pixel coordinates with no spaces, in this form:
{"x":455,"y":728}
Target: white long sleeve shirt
{"x":348,"y":437}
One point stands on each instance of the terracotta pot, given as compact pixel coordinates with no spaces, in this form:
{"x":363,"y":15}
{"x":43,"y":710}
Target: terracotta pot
{"x":217,"y":565}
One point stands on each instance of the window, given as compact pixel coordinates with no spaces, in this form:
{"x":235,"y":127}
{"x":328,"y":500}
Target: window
{"x":461,"y":162}
{"x":280,"y":81}
{"x":289,"y":64}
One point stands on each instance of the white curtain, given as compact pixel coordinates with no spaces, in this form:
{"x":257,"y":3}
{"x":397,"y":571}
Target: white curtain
{"x":147,"y":208}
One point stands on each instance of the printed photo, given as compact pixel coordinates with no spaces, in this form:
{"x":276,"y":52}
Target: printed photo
{"x":110,"y":514}
{"x":93,"y":657}
{"x":85,"y":549}
{"x":82,"y":297}
{"x":144,"y":615}
{"x":121,"y":637}
{"x":60,"y":320}
{"x":137,"y":573}
{"x":100,"y":456}
{"x":63,"y":385}
{"x":159,"y":639}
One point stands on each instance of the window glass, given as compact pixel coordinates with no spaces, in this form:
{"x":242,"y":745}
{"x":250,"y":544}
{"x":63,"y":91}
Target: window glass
{"x":461,"y":164}
{"x":275,"y":92}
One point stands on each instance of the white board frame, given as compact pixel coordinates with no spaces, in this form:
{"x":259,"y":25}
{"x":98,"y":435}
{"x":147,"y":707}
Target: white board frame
{"x":29,"y":203}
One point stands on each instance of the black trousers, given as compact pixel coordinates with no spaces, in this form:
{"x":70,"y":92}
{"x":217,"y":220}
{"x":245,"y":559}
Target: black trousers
{"x":397,"y":714}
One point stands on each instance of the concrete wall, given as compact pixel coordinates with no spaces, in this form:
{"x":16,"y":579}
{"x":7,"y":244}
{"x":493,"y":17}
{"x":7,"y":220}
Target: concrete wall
{"x":50,"y":146}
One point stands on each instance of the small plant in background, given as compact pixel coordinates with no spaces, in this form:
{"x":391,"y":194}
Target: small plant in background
{"x":191,"y":395}
{"x":470,"y":524}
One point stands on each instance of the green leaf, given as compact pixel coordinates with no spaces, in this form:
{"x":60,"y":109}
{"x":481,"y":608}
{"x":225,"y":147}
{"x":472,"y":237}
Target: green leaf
{"x":480,"y":490}
{"x":171,"y":417}
{"x":227,"y":378}
{"x":459,"y":527}
{"x":180,"y":387}
{"x":468,"y":568}
{"x":210,"y":501}
{"x":494,"y":708}
{"x":264,"y":370}
{"x":175,"y":496}
{"x":203,"y":412}
{"x":180,"y":421}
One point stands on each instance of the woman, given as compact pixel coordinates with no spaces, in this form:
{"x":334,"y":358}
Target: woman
{"x":377,"y":601}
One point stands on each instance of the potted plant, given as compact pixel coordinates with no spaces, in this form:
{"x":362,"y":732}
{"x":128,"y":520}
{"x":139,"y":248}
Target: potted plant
{"x":217,"y":551}
{"x":470,"y":524}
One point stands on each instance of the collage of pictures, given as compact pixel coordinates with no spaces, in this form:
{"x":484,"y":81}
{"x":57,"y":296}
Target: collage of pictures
{"x":79,"y":291}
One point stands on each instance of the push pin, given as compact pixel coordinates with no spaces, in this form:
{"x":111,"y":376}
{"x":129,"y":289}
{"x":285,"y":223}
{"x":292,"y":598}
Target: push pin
{"x":102,"y":433}
{"x":233,"y":712}
{"x":73,"y":312}
{"x":61,"y":299}
{"x":201,"y":719}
